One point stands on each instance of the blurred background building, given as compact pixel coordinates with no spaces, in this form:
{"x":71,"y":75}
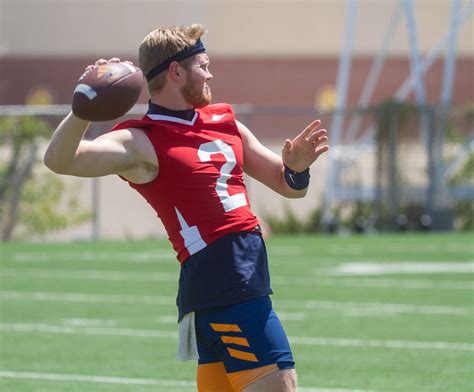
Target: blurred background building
{"x":283,"y":53}
{"x":282,"y":63}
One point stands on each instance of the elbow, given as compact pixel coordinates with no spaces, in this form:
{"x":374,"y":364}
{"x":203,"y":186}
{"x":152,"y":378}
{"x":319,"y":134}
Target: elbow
{"x":295,"y":194}
{"x":49,"y":161}
{"x":53,"y":164}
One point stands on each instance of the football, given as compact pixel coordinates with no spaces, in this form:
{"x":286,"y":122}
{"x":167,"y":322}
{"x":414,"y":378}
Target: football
{"x":107,"y":91}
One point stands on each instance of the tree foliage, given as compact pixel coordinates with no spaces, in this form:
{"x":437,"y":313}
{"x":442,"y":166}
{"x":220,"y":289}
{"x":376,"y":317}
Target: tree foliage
{"x":31,"y":198}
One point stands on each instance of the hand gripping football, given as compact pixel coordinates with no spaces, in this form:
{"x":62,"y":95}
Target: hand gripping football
{"x":107,"y":91}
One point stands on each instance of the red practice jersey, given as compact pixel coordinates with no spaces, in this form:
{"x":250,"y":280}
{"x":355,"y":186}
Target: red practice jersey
{"x":199,"y":193}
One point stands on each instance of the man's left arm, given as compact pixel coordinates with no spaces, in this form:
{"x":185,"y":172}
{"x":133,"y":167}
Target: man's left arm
{"x":298,"y":155}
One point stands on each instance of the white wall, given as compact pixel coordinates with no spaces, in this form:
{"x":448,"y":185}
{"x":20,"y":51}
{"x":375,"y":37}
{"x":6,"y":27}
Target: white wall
{"x":236,"y":27}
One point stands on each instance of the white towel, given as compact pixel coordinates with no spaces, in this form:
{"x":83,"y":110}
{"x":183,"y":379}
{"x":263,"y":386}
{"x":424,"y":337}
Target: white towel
{"x":187,"y":348}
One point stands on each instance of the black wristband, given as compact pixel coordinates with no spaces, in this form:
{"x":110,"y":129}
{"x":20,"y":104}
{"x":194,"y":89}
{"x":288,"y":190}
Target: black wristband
{"x":296,"y":180}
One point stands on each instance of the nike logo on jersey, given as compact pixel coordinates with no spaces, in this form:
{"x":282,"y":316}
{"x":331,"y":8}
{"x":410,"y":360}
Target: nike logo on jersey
{"x":217,"y":117}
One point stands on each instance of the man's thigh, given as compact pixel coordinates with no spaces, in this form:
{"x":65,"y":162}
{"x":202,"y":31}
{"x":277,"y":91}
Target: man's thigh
{"x":280,"y":381}
{"x":247,"y":338}
{"x":212,"y":377}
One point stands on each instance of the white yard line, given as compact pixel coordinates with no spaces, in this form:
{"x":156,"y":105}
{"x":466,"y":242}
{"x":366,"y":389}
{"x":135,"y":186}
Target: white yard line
{"x":134,"y":381}
{"x":405,"y":267}
{"x":342,"y":281}
{"x":87,"y":298}
{"x":394,"y":283}
{"x":76,"y":330}
{"x":361,"y":307}
{"x":375,"y":307}
{"x":303,"y":389}
{"x":401,"y":344}
{"x":354,"y":249}
{"x":127,"y":257}
{"x":98,"y":256}
{"x":299,"y":340}
{"x":122,"y":276}
{"x":82,"y":322}
{"x":95,"y":379}
{"x":451,"y":247}
{"x":293,"y":316}
{"x":167,"y":319}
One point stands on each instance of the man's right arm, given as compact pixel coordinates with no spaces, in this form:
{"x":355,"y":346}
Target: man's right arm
{"x":112,"y":153}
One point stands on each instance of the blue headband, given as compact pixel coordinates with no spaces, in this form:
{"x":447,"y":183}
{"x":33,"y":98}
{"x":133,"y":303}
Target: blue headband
{"x":198,"y":47}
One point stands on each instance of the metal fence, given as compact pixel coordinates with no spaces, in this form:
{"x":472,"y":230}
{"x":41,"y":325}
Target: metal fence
{"x":396,"y":165}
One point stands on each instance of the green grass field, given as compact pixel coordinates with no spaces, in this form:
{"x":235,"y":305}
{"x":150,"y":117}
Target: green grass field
{"x":374,"y":313}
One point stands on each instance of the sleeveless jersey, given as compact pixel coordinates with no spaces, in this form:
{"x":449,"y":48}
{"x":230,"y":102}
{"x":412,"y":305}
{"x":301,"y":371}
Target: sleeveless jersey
{"x":199,"y":193}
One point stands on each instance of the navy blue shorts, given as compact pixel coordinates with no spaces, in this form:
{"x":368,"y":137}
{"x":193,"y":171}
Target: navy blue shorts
{"x":244,"y":336}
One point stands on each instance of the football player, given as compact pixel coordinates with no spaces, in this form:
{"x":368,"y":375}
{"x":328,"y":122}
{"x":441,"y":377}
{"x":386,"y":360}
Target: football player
{"x":187,"y":158}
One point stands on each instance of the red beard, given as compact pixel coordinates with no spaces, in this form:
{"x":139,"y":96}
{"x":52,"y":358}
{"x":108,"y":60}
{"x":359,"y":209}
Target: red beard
{"x":194,"y":95}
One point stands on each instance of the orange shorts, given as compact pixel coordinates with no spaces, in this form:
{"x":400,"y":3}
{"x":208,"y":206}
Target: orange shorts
{"x":239,"y":344}
{"x":212,"y":377}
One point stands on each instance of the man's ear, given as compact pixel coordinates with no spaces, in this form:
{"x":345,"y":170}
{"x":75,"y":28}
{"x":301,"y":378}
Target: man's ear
{"x":175,"y":71}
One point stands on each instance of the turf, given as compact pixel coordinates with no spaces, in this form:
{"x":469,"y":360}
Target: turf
{"x":107,"y":309}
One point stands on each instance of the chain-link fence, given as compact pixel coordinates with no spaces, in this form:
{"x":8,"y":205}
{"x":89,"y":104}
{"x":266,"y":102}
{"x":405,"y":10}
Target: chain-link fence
{"x":396,"y":166}
{"x":417,"y":182}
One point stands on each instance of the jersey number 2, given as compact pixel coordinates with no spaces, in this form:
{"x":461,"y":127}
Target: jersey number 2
{"x":219,"y":147}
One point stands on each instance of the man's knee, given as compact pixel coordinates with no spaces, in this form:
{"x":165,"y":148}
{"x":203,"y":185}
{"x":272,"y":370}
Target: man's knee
{"x":279,"y":381}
